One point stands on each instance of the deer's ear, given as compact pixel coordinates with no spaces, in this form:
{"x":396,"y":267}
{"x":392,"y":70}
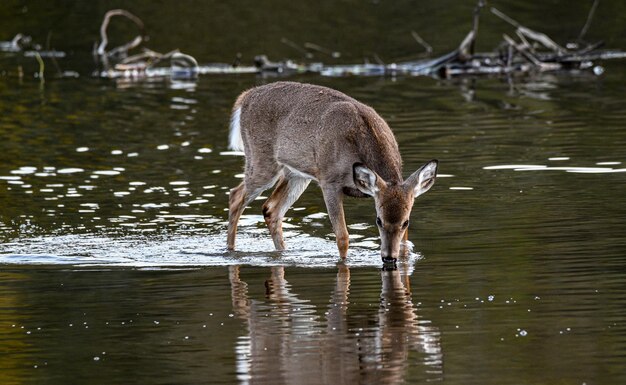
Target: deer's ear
{"x":365,"y":180}
{"x":423,"y":179}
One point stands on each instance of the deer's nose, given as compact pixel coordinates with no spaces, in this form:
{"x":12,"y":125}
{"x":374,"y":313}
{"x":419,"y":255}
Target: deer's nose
{"x":387,"y":256}
{"x":388,"y":259}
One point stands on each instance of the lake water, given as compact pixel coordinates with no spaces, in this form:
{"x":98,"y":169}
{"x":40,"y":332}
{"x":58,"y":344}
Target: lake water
{"x":113,"y":260}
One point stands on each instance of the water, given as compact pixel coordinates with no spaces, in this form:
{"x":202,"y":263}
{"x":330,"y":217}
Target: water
{"x":113,"y":266}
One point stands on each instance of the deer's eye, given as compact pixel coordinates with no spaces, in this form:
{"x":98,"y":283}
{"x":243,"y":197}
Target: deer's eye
{"x":405,"y":224}
{"x":379,"y":222}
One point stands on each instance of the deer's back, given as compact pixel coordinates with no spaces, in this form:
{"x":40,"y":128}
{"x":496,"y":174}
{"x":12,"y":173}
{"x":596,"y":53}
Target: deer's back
{"x":317,"y":130}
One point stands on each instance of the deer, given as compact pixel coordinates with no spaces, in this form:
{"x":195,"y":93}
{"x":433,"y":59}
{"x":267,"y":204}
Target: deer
{"x":292,"y":133}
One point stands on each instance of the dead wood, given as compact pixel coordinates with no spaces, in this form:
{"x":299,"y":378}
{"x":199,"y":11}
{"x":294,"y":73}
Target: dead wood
{"x":124,"y":48}
{"x":539,"y":37}
{"x":119,"y":63}
{"x":526,"y":52}
{"x":422,"y":42}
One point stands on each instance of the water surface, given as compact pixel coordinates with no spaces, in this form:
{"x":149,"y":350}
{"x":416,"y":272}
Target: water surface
{"x":113,"y":265}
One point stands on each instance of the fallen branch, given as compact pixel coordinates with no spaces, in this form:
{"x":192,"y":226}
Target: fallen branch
{"x":530,"y":52}
{"x":539,"y":37}
{"x":118,"y":63}
{"x":125,"y":47}
{"x":422,"y":42}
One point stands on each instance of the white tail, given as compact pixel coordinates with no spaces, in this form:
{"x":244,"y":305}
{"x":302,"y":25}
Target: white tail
{"x":235,"y":142}
{"x":294,"y":133}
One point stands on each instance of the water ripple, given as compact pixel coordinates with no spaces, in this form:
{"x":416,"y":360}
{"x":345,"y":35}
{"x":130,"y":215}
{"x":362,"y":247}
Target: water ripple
{"x":181,"y":250}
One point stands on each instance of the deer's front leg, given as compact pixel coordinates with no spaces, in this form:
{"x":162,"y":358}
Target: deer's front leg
{"x":333,"y":197}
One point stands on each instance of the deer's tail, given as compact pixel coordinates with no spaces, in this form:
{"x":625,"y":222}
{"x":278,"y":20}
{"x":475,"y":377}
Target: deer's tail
{"x":235,"y":141}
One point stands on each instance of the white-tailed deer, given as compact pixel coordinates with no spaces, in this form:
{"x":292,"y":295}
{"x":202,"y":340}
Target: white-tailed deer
{"x":292,"y":133}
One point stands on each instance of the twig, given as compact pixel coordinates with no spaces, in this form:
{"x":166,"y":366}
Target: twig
{"x":377,"y":59}
{"x":422,"y":42}
{"x":543,"y":39}
{"x":522,"y":50}
{"x":466,"y":48}
{"x":42,"y":66}
{"x":295,"y":46}
{"x":318,"y":48}
{"x":169,"y":55}
{"x":590,"y":48}
{"x":543,"y":66}
{"x":505,"y":17}
{"x":531,"y":34}
{"x":475,"y":22}
{"x":524,"y":41}
{"x":509,"y":55}
{"x":147,"y":54}
{"x":183,"y":61}
{"x":237,"y":60}
{"x":54,"y":60}
{"x":592,"y":11}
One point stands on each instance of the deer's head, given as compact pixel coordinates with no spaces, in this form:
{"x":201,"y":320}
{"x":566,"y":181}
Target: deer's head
{"x":394,"y":202}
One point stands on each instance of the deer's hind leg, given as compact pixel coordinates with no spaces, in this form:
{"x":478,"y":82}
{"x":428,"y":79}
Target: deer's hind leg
{"x":253,"y":185}
{"x":286,"y":193}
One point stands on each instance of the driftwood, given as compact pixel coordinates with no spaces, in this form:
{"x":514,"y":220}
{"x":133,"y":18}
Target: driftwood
{"x":118,"y":62}
{"x":123,"y":49}
{"x":529,"y":51}
{"x":534,"y":52}
{"x":523,"y":51}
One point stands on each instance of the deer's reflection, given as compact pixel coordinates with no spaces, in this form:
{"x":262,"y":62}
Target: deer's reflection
{"x":290,"y":341}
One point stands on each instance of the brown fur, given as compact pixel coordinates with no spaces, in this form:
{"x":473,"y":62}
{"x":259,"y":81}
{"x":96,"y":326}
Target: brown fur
{"x":293,"y":132}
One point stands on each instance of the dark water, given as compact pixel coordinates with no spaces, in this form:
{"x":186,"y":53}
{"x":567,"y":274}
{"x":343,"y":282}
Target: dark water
{"x":113,"y":265}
